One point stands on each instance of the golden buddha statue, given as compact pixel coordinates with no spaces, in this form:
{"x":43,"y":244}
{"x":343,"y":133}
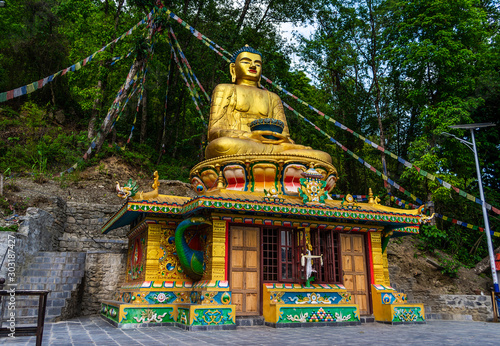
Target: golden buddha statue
{"x":235,"y":106}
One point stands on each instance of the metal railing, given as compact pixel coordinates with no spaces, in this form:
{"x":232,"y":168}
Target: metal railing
{"x":12,"y":330}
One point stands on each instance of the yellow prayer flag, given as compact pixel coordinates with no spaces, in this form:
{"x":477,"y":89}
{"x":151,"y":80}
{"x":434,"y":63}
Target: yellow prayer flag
{"x":30,"y":88}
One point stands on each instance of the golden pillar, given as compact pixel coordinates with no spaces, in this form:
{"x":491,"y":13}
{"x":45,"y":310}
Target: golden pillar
{"x":153,"y":253}
{"x":379,"y":264}
{"x":216,"y":246}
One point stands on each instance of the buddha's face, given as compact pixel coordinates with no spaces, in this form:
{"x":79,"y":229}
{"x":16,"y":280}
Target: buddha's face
{"x":247,"y":69}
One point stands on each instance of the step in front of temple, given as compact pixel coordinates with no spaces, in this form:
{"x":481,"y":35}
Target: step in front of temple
{"x":249,"y":321}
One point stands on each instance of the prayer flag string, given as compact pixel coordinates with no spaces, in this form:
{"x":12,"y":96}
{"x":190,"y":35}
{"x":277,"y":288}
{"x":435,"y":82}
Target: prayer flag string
{"x":404,"y":204}
{"x":29,"y":88}
{"x":220,"y":51}
{"x":186,"y":81}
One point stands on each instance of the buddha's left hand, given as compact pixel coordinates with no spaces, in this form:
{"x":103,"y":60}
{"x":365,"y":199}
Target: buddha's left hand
{"x":259,"y":135}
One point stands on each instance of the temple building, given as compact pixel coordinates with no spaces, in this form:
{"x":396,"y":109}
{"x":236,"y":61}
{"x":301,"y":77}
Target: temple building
{"x":263,"y":240}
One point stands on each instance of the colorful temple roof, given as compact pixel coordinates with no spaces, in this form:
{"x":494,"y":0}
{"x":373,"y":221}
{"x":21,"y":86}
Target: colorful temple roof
{"x":260,"y":209}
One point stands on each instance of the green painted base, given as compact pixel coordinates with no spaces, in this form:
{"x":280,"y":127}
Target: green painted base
{"x":317,"y":314}
{"x":312,"y":324}
{"x":186,"y":316}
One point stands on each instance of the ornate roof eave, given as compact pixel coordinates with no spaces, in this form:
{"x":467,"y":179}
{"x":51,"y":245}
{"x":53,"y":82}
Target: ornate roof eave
{"x":291,"y":207}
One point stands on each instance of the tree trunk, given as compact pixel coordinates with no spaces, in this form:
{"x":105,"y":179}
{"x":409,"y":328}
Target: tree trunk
{"x":96,"y":108}
{"x":108,"y":121}
{"x":264,"y":16}
{"x":144,"y":120}
{"x":239,"y":24}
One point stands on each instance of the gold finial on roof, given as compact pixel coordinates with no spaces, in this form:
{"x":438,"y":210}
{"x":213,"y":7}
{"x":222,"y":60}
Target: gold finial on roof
{"x":370,"y":196}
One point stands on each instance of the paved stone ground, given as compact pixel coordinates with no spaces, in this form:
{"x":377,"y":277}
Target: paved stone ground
{"x":95,"y":331}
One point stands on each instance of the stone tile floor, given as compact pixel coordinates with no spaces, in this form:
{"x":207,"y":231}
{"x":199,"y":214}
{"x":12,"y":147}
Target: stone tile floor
{"x":95,"y":331}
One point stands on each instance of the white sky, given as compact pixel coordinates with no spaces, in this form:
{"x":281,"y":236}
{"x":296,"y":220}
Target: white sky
{"x":287,"y":31}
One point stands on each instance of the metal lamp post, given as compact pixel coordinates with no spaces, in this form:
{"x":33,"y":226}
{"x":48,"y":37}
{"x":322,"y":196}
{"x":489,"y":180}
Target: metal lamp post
{"x":472,"y":146}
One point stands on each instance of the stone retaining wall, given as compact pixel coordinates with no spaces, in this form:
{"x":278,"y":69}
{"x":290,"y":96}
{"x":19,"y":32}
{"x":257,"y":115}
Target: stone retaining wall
{"x":458,"y":307}
{"x":443,"y":306}
{"x":38,"y":231}
{"x":106,"y":253}
{"x":104,"y":272}
{"x":83,"y":229}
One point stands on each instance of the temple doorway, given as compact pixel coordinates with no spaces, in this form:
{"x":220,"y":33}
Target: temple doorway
{"x":354,"y":269}
{"x":245,"y":269}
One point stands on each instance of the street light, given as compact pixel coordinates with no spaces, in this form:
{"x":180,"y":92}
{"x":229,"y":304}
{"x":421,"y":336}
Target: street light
{"x":3,"y":3}
{"x":472,"y":146}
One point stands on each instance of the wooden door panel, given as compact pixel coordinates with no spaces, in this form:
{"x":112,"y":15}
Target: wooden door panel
{"x":347,"y":263}
{"x":359,"y":264}
{"x":357,"y":244}
{"x":251,"y":259}
{"x":362,"y":302}
{"x":355,"y":276}
{"x":237,"y":237}
{"x":360,"y":283}
{"x":245,"y":269}
{"x":348,"y":282}
{"x":252,"y":281}
{"x":346,"y":244}
{"x":237,"y":280}
{"x":252,"y":238}
{"x":237,"y":259}
{"x":252,"y":302}
{"x":237,"y":299}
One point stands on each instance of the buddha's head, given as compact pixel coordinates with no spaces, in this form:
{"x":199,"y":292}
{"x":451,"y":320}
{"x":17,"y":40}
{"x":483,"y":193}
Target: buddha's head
{"x":246,"y":66}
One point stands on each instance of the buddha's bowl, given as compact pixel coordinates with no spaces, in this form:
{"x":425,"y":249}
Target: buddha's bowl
{"x":268,"y":124}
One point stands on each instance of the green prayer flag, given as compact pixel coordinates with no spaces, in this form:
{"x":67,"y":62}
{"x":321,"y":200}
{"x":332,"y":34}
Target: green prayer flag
{"x":3,"y":97}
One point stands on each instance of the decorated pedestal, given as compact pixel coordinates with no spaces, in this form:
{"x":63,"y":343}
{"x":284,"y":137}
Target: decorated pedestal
{"x":390,"y":306}
{"x":288,"y":304}
{"x":256,"y":173}
{"x":200,"y":306}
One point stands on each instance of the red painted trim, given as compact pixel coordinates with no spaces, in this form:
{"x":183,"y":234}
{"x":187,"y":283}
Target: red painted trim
{"x":227,"y":252}
{"x":370,"y":257}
